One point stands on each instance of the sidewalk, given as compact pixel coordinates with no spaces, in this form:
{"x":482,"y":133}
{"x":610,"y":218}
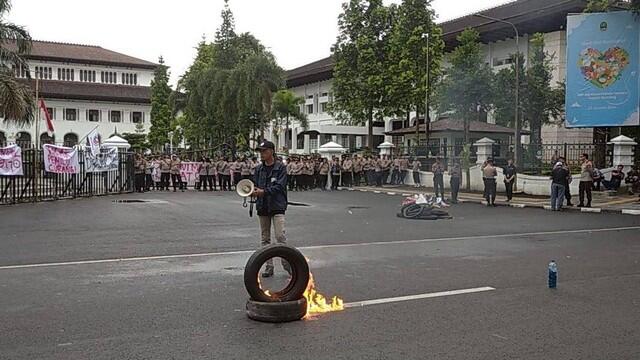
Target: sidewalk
{"x":602,"y":202}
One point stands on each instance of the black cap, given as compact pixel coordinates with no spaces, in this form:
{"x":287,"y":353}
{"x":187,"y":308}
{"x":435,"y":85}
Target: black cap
{"x":266,"y":145}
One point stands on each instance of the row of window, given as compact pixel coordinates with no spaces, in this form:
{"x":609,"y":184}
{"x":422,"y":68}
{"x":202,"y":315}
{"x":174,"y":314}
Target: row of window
{"x":23,"y":139}
{"x":68,"y":74}
{"x":324,"y":107}
{"x":115,"y":116}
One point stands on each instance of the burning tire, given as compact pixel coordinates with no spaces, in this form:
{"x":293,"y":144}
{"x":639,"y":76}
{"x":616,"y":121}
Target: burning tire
{"x":299,"y":274}
{"x":277,"y":312}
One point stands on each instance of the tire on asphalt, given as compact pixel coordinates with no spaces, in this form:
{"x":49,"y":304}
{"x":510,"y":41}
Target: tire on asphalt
{"x":277,"y":312}
{"x":299,"y":273}
{"x":412,"y":211}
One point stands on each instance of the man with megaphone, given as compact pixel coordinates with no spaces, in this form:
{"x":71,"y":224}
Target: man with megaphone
{"x":270,"y":181}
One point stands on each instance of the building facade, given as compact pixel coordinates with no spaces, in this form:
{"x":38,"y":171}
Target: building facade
{"x":84,"y":87}
{"x":313,"y":81}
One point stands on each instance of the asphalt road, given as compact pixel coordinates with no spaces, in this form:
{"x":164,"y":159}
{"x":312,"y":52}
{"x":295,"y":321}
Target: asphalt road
{"x":64,"y":295}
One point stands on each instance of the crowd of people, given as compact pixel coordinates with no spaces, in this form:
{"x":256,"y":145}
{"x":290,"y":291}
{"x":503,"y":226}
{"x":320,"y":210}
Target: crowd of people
{"x":160,"y":172}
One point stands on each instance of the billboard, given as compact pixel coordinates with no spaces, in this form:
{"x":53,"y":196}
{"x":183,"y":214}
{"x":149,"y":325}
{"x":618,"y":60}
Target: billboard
{"x":602,"y":70}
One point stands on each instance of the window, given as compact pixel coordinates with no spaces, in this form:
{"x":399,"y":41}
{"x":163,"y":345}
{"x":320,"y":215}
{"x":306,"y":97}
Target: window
{"x":43,"y":72}
{"x":70,"y":114}
{"x":20,"y":71}
{"x":52,"y":113}
{"x":310,"y":97}
{"x":87,"y":75}
{"x":108,"y":77}
{"x":46,"y":139}
{"x":323,"y":107}
{"x":93,"y":115}
{"x":324,"y":94}
{"x":129,"y":79}
{"x":135,"y":79}
{"x":65,"y":74}
{"x":137,"y":117}
{"x":310,"y":109}
{"x":70,"y":140}
{"x":115,"y":116}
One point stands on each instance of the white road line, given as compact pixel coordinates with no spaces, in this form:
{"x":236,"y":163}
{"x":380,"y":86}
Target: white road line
{"x":334,"y":246}
{"x":631,"y":212}
{"x":417,"y":297}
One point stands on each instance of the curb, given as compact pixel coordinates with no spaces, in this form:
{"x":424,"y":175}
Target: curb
{"x":516,"y":205}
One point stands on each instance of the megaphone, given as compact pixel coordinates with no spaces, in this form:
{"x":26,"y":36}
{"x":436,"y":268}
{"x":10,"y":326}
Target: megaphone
{"x":245,"y":188}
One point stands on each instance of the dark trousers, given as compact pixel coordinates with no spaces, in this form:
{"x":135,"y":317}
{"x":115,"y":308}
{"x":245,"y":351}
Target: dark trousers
{"x":380,"y":177}
{"x":139,"y":182}
{"x":164,"y":181}
{"x":395,"y":177}
{"x":455,"y":188}
{"x":403,"y":175}
{"x":236,"y":178}
{"x":385,"y":177}
{"x":322,"y":181}
{"x":204,"y":180}
{"x":148,"y":182}
{"x":176,"y":181}
{"x":585,"y":187}
{"x":291,"y":179}
{"x":490,"y":190}
{"x":224,"y":182}
{"x":438,"y":184}
{"x":371,"y":177}
{"x":357,"y":177}
{"x":335,"y":179}
{"x":567,"y":193}
{"x":346,"y":179}
{"x":416,"y":177}
{"x":509,"y":188}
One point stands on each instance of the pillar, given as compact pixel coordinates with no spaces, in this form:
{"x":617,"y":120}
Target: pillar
{"x":623,"y":151}
{"x":484,"y":149}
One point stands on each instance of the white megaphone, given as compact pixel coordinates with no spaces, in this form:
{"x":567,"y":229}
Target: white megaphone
{"x":245,"y":188}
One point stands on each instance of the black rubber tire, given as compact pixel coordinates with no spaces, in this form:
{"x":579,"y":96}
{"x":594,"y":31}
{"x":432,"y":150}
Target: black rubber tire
{"x":412,"y":211}
{"x":277,"y":312}
{"x":299,"y":273}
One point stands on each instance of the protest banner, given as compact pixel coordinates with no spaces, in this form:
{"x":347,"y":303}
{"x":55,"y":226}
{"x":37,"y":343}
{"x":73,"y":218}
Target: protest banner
{"x":60,"y":159}
{"x":105,"y":160}
{"x":189,"y":172}
{"x":11,"y":161}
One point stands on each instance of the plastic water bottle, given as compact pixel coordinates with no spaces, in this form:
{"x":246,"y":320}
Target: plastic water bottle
{"x":553,"y":274}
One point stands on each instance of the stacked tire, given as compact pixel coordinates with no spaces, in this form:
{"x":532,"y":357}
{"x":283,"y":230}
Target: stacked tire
{"x":285,"y":305}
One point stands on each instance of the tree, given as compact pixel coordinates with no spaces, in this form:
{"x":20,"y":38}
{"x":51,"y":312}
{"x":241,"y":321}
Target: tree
{"x":467,"y":89}
{"x":360,"y":55}
{"x":161,"y":113}
{"x":504,"y":92}
{"x":541,"y":103}
{"x":16,"y":99}
{"x":407,"y":82}
{"x":286,"y":107}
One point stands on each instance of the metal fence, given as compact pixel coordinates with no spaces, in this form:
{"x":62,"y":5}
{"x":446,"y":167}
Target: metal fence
{"x":534,"y":158}
{"x":39,"y":185}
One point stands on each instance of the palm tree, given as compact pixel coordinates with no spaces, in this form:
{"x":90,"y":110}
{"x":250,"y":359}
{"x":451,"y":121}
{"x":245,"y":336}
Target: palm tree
{"x":286,"y":107}
{"x":16,"y":100}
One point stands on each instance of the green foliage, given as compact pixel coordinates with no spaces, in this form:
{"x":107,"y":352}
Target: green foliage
{"x":406,"y":83}
{"x":16,"y":99}
{"x":598,"y":6}
{"x":137,"y":141}
{"x":467,"y":88}
{"x":504,"y":90}
{"x":286,"y":108}
{"x":161,"y":113}
{"x":541,"y":103}
{"x":361,"y":63}
{"x":227,"y":92}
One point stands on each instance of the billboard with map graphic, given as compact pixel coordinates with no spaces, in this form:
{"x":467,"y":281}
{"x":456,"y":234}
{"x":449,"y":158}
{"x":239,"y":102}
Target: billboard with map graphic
{"x":602,"y":70}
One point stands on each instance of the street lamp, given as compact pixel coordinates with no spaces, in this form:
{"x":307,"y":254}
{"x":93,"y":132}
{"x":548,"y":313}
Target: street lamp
{"x":426,"y":102}
{"x":516,"y":151}
{"x":170,"y":142}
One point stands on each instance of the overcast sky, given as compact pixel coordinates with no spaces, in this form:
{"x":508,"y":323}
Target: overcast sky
{"x":296,"y":31}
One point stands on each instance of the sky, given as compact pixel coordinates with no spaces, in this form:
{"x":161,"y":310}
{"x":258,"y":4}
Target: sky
{"x":297,"y":32}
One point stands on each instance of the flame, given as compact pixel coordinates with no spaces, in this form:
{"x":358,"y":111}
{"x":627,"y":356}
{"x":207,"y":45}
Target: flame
{"x":317,"y":303}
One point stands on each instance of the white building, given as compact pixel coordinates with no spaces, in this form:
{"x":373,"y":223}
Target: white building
{"x":313,"y":81}
{"x":84,"y":86}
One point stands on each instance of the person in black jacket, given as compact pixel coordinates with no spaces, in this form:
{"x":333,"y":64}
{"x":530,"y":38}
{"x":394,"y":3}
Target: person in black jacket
{"x":270,"y":181}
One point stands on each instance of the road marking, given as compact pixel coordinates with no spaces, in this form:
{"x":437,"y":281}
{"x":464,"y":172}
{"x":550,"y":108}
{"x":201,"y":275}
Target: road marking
{"x":316,"y":247}
{"x":519,"y":206}
{"x":391,"y":193}
{"x":631,"y":212}
{"x":417,"y":297}
{"x":591,"y":210}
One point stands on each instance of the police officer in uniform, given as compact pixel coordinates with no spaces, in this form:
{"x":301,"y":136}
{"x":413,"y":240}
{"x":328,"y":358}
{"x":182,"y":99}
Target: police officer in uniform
{"x":347,"y":168}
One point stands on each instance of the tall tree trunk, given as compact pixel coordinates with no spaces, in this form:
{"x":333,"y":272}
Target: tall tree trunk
{"x":287,"y":140}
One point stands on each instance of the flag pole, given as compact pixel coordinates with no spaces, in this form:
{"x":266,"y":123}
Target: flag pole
{"x":38,"y":110}
{"x":84,"y":137}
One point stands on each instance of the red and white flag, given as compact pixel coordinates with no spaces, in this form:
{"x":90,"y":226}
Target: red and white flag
{"x":47,"y":117}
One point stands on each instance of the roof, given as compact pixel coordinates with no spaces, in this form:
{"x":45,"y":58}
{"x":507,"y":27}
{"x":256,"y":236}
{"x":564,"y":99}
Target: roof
{"x":452,"y":125}
{"x":75,"y":90}
{"x":312,"y":72}
{"x":529,"y":16}
{"x":85,"y":54}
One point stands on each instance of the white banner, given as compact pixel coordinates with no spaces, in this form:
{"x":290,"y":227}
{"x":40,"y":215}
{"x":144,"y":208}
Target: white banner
{"x":93,"y":142}
{"x":106,"y":160}
{"x":60,"y":159}
{"x":189,"y":172}
{"x":11,"y":160}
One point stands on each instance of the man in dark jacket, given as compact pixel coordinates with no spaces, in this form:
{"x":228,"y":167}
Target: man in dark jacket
{"x":270,"y":181}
